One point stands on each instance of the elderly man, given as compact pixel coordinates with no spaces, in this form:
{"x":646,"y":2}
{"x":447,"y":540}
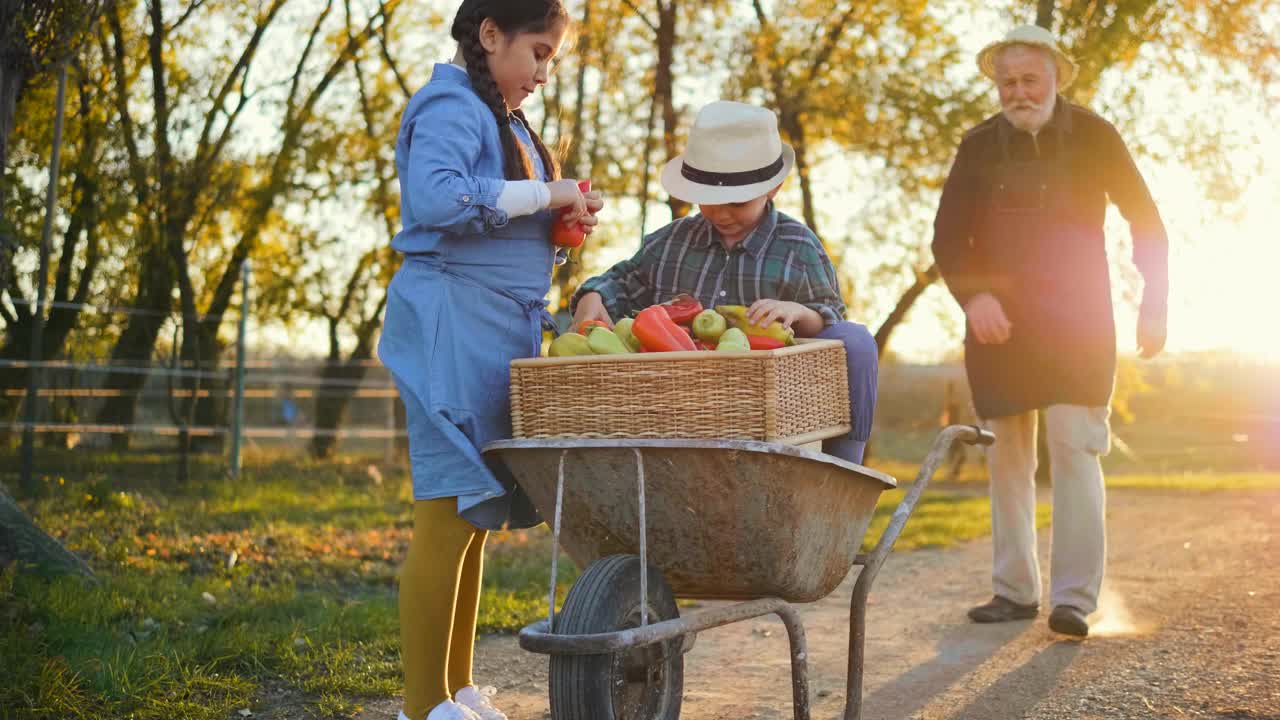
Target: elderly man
{"x":1019,"y":240}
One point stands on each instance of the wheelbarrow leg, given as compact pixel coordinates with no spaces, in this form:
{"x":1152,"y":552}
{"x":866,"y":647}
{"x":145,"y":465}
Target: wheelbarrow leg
{"x":857,"y":646}
{"x":799,"y":660}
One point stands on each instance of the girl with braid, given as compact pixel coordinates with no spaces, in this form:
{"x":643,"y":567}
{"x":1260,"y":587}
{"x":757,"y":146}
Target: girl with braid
{"x":478,"y":188}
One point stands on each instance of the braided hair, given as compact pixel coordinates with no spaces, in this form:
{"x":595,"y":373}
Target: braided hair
{"x":512,"y":17}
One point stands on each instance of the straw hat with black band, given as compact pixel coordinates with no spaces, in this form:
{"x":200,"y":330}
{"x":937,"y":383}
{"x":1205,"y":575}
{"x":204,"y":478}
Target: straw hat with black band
{"x":734,"y":155}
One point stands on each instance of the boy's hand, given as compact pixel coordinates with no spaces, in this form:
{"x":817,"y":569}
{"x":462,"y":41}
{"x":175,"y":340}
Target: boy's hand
{"x":764,"y":312}
{"x":591,"y":307}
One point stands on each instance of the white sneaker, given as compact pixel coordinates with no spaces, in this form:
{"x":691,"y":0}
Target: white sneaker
{"x":472,"y":699}
{"x":447,"y":710}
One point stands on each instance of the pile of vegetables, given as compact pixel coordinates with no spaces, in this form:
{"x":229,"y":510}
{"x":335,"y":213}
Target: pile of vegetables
{"x":680,"y":325}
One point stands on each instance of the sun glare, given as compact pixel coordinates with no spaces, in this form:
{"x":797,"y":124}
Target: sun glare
{"x":1225,"y":287}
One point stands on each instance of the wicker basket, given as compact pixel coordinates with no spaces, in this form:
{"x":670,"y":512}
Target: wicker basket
{"x":794,"y":395}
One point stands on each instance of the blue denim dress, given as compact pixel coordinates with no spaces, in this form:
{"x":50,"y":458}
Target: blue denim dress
{"x":468,"y":298}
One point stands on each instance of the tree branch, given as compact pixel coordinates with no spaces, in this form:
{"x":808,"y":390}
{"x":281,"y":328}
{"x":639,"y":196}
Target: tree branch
{"x":302,"y":61}
{"x":191,"y":9}
{"x":293,"y":124}
{"x":136,"y":168}
{"x":391,"y":63}
{"x":922,"y":282}
{"x":640,"y":14}
{"x":834,"y":33}
{"x":203,"y":154}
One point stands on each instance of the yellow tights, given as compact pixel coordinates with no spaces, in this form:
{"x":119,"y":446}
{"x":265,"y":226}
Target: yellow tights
{"x":439,"y":598}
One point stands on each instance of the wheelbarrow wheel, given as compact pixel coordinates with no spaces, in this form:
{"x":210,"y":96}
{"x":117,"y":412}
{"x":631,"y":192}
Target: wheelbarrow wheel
{"x":644,"y":683}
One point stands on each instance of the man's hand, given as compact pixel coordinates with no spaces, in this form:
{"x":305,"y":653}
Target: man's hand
{"x":986,"y":317}
{"x":1152,"y":332}
{"x":806,"y":321}
{"x":590,"y":307}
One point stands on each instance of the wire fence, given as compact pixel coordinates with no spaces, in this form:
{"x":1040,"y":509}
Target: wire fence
{"x":217,"y":407}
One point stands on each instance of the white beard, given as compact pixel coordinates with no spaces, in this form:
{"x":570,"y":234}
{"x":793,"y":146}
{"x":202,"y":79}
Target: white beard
{"x":1037,"y":117}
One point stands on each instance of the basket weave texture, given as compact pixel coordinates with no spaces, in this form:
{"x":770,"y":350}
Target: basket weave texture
{"x":795,"y":395}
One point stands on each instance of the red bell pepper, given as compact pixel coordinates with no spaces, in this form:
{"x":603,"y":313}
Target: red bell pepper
{"x":657,"y":332}
{"x":586,"y":326}
{"x":563,"y":234}
{"x":682,"y":308}
{"x":764,"y":342}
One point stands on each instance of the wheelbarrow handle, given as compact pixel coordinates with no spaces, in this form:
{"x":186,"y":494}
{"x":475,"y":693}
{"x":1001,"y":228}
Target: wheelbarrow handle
{"x":985,"y":438}
{"x":970,"y":434}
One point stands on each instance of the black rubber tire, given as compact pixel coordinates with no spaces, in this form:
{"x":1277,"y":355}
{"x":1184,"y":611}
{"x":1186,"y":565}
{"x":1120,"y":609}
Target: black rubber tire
{"x":641,"y":684}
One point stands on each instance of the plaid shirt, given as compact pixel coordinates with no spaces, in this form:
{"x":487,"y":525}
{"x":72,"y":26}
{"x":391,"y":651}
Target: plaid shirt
{"x":780,"y":260}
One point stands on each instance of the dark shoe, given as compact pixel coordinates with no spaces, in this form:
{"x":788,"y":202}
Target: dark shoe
{"x":1002,"y":609}
{"x":1068,"y":620}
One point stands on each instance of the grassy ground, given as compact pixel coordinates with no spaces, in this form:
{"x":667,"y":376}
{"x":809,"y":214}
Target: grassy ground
{"x":219,"y":595}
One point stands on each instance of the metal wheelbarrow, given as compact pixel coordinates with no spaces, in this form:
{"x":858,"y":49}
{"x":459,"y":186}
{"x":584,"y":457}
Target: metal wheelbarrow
{"x":766,"y":524}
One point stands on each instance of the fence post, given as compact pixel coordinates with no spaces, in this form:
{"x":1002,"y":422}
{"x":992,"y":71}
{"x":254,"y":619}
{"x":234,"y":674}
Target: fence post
{"x":37,"y":327}
{"x":237,"y":416}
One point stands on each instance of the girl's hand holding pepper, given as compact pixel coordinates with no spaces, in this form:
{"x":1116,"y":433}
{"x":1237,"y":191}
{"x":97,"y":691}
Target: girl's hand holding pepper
{"x":582,"y":206}
{"x":595,"y":202}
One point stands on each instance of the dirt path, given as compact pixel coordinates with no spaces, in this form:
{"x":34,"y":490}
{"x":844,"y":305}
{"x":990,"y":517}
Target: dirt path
{"x":1190,"y":627}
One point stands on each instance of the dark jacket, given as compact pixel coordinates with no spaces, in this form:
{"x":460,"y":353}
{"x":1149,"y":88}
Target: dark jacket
{"x":1021,"y":217}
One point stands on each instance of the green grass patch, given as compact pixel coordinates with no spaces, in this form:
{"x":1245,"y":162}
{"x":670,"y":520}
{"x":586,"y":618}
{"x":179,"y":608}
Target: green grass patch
{"x":1203,"y":482}
{"x":974,"y":472}
{"x":215,"y":591}
{"x":939,"y":520}
{"x":219,"y":595}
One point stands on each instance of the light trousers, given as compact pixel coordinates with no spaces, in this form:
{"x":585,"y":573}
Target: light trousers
{"x":1077,"y":437}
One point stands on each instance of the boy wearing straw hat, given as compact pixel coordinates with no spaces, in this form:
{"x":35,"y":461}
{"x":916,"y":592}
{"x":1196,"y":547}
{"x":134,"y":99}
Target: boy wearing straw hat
{"x":740,"y":250}
{"x":1019,"y":240}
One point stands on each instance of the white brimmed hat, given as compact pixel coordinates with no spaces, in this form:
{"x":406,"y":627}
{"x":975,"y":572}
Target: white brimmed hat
{"x":1035,"y":36}
{"x":734,"y":155}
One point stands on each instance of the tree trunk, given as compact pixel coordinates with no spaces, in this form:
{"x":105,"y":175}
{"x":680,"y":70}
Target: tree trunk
{"x":913,"y":293}
{"x":62,"y":319}
{"x":331,"y":407}
{"x":11,"y":83}
{"x":664,"y":89}
{"x":1044,"y":14}
{"x":22,"y":541}
{"x":213,"y":406}
{"x":574,"y":155}
{"x":795,"y":132}
{"x":138,"y":341}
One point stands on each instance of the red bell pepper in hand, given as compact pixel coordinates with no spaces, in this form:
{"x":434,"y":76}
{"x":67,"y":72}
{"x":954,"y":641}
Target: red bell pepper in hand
{"x":657,"y":332}
{"x":682,"y":308}
{"x":764,"y":342}
{"x":563,"y":234}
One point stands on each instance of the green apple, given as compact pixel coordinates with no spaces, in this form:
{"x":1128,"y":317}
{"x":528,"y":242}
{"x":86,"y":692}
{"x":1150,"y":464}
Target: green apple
{"x":709,"y":325}
{"x":733,"y":340}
